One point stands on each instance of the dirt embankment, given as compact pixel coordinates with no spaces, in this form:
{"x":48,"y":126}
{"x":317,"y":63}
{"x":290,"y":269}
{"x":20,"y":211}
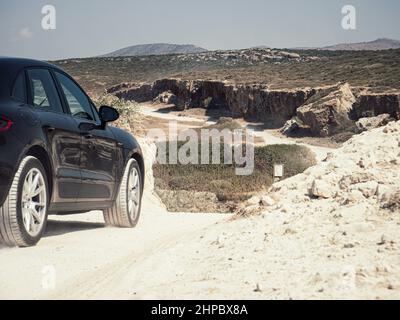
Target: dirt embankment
{"x":329,"y":233}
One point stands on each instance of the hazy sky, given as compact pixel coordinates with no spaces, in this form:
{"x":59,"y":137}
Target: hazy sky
{"x":93,"y":27}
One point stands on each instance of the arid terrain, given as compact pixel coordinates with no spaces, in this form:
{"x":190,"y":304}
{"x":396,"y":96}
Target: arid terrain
{"x":329,"y":230}
{"x":277,"y":68}
{"x":334,"y":229}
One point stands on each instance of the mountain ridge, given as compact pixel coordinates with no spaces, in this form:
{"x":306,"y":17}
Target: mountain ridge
{"x":155,"y":49}
{"x":375,"y":45}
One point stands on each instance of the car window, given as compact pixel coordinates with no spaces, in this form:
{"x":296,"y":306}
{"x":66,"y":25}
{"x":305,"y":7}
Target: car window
{"x":19,"y":89}
{"x":78,"y":103}
{"x":43,"y":90}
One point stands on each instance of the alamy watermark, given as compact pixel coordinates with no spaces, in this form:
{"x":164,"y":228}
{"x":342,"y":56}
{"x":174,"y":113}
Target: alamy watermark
{"x":349,"y":20}
{"x":198,"y":145}
{"x":49,"y":17}
{"x":49,"y":277}
{"x":349,"y":278}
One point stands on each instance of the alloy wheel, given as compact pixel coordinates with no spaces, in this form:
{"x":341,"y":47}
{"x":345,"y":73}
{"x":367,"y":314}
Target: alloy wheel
{"x":34,"y":202}
{"x":133,"y":193}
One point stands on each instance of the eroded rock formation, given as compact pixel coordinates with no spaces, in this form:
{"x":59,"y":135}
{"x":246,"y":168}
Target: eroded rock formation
{"x":370,"y":105}
{"x":326,"y":111}
{"x":250,"y":101}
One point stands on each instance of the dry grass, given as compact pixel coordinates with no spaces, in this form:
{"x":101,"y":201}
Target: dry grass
{"x":129,"y":111}
{"x":379,"y":70}
{"x":222,"y":180}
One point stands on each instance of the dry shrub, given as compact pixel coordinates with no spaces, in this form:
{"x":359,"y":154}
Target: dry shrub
{"x":129,"y":113}
{"x":222,"y":180}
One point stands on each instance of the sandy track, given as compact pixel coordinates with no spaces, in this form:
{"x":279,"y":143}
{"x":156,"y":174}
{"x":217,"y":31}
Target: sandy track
{"x":86,"y":260}
{"x":92,"y":261}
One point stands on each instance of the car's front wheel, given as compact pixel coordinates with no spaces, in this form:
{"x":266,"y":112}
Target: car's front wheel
{"x":23,"y":215}
{"x":126,"y":209}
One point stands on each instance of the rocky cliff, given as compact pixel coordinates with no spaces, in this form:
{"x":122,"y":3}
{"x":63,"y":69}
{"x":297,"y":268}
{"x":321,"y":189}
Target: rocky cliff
{"x":250,"y":101}
{"x":326,"y":111}
{"x":369,"y":105}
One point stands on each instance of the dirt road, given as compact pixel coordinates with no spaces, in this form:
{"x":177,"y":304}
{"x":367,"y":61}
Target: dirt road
{"x":87,"y":260}
{"x":80,"y":258}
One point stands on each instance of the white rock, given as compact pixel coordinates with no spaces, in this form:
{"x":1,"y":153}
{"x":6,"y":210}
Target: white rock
{"x":321,"y":189}
{"x":254,"y":200}
{"x":354,"y":196}
{"x":362,"y":227}
{"x":267,"y":201}
{"x":368,"y":189}
{"x":382,"y":191}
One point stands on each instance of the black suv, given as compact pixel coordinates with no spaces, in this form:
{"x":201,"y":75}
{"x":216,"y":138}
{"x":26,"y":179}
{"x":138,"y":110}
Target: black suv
{"x":58,"y":155}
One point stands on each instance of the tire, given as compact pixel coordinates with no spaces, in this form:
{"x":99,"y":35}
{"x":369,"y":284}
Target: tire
{"x":23,"y":216}
{"x":121,"y":214}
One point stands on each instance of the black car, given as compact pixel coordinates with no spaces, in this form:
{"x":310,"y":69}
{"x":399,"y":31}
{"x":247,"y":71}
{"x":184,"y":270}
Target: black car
{"x":58,"y":155}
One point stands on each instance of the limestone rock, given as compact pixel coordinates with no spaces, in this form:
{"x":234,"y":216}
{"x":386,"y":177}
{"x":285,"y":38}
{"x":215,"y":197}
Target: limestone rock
{"x":267,"y":201}
{"x":327,"y":112}
{"x":166,"y":97}
{"x":321,"y":189}
{"x":290,"y":126}
{"x":368,"y":189}
{"x":365,"y":124}
{"x":391,"y":200}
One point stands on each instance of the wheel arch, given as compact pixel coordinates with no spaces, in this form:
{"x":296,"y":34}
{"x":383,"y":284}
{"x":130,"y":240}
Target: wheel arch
{"x":139,"y":159}
{"x":41,"y":154}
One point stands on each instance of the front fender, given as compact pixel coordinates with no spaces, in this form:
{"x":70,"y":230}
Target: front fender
{"x":130,"y":149}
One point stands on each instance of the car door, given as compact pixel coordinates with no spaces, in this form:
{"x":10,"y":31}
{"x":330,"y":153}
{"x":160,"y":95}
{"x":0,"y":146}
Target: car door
{"x":60,"y":131}
{"x":99,"y":159}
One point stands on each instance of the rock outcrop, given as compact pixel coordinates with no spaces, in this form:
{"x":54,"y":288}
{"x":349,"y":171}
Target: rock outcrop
{"x":140,"y":92}
{"x":246,"y":56}
{"x":327,"y":112}
{"x":290,"y":126}
{"x":364,"y":172}
{"x":249,"y":101}
{"x":166,"y":97}
{"x":370,"y":105}
{"x":365,"y":124}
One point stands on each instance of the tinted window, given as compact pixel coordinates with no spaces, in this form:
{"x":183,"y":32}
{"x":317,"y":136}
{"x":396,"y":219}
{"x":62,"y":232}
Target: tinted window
{"x":78,"y":103}
{"x":19,"y":89}
{"x":44,"y":93}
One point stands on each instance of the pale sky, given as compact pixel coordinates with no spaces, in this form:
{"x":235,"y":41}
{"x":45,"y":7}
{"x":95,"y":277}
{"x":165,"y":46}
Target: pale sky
{"x":92,"y":27}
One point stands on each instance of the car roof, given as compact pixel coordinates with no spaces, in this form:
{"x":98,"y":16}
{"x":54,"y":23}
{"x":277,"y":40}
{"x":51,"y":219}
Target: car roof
{"x":10,"y":67}
{"x":17,"y":64}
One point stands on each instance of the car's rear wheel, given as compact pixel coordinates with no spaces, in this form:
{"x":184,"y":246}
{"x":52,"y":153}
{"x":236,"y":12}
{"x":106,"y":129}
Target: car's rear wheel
{"x":126,"y":209}
{"x":23,"y":215}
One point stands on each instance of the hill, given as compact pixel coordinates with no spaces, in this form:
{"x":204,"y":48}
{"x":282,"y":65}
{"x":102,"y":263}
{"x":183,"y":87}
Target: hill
{"x":376,"y":45}
{"x":155,"y":49}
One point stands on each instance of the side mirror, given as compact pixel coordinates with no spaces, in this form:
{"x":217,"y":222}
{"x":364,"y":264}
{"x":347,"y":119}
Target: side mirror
{"x":86,"y":126}
{"x":108,"y":114}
